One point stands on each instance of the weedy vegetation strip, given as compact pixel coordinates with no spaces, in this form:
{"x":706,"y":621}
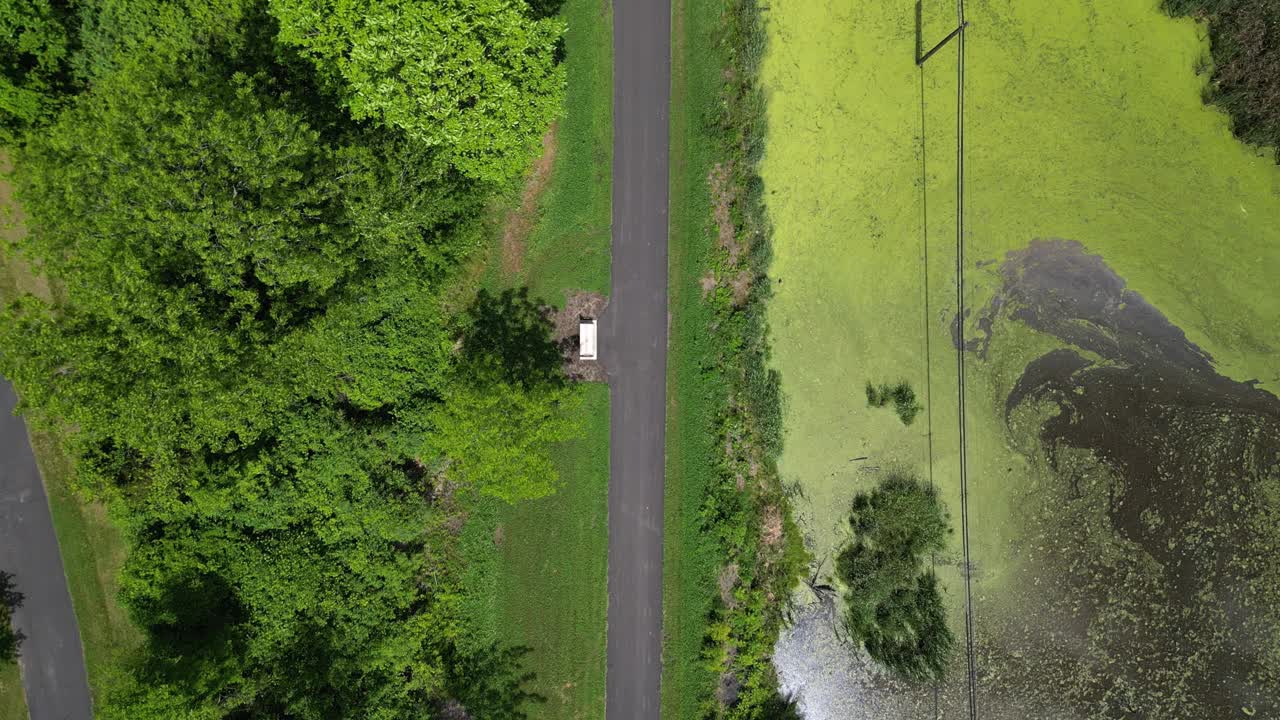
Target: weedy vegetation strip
{"x":733,"y":552}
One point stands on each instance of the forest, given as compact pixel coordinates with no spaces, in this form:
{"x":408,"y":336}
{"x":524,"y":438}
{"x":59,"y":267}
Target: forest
{"x":252,"y":213}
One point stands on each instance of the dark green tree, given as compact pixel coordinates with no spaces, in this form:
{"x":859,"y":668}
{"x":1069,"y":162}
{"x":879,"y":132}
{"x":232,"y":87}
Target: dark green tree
{"x":893,"y":606}
{"x":37,"y":40}
{"x":10,"y":599}
{"x":508,"y":402}
{"x":251,"y":356}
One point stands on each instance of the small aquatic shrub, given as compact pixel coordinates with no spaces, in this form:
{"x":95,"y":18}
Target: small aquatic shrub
{"x":893,"y":606}
{"x":1245,"y":41}
{"x":901,"y":395}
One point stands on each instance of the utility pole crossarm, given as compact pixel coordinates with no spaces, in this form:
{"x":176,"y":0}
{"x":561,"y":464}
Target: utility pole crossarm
{"x":920,"y":60}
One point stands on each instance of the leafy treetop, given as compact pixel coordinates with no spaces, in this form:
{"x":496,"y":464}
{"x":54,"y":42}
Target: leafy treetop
{"x":475,"y":78}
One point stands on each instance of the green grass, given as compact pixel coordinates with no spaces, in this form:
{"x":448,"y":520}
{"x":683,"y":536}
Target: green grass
{"x":552,"y":589}
{"x":92,"y":549}
{"x":13,"y":704}
{"x":537,"y":572}
{"x":1084,"y":121}
{"x":568,"y":248}
{"x":92,"y":553}
{"x":689,"y":561}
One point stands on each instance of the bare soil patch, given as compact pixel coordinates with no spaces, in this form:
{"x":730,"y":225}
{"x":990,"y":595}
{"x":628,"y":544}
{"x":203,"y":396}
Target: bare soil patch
{"x":520,"y":221}
{"x":578,"y":307}
{"x":727,"y":581}
{"x":723,"y":193}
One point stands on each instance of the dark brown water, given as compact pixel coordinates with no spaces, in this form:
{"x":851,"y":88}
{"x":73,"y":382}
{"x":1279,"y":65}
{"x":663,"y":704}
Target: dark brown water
{"x":1171,"y":610}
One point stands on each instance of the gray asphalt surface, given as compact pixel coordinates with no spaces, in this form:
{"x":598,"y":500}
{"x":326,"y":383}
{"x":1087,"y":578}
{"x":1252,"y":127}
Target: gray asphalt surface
{"x":634,"y":348}
{"x":52,"y":660}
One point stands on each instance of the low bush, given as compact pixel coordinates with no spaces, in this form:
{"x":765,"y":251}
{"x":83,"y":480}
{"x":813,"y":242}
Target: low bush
{"x":10,"y":599}
{"x":1245,"y":37}
{"x":743,"y":520}
{"x":902,"y":396}
{"x":893,"y":606}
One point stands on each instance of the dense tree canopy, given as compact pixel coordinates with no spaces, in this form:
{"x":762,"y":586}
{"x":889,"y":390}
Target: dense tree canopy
{"x":36,"y":42}
{"x":248,"y":347}
{"x":893,"y":606}
{"x":475,"y":78}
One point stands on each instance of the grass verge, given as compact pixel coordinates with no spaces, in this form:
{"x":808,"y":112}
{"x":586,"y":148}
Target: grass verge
{"x":689,"y":562}
{"x":13,"y":704}
{"x":567,"y":247}
{"x":537,"y":572}
{"x":553,"y":554}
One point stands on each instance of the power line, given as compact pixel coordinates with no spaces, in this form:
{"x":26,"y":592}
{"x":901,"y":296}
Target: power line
{"x":958,"y":35}
{"x":928,"y":345}
{"x":971,"y":658}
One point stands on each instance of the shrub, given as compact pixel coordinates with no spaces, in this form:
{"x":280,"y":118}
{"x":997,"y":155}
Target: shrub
{"x":893,"y":606}
{"x":10,"y":599}
{"x":1246,"y":53}
{"x":902,"y":396}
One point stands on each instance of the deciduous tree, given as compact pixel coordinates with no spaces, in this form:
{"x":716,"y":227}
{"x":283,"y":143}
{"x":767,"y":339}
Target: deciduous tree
{"x":477,"y":79}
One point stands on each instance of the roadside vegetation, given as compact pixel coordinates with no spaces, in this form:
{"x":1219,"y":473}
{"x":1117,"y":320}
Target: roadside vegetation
{"x":250,"y":358}
{"x":732,"y":551}
{"x":11,"y":699}
{"x":536,"y":572}
{"x":892,"y":604}
{"x":10,"y":639}
{"x":92,"y":547}
{"x":1245,"y":42}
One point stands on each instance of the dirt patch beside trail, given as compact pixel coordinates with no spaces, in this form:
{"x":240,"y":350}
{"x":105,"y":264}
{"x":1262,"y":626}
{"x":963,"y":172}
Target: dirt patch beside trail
{"x":520,"y":221}
{"x":579,"y":306}
{"x":722,"y":197}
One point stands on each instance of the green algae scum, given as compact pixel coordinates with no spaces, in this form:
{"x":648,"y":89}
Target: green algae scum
{"x":1120,"y":333}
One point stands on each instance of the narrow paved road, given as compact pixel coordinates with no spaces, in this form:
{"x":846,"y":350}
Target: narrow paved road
{"x":635,"y":347}
{"x":52,"y":660}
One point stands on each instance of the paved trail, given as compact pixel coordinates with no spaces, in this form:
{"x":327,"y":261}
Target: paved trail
{"x":52,"y":661}
{"x":635,"y":348}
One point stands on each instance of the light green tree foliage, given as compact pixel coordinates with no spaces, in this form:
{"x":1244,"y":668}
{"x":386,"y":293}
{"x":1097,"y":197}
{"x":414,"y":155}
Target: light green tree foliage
{"x":893,"y":606}
{"x":36,"y":40}
{"x":475,"y":78}
{"x":508,"y":401}
{"x":500,"y":435}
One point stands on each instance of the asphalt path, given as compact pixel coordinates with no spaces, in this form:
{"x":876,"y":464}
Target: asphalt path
{"x":634,"y":348}
{"x":52,"y":660}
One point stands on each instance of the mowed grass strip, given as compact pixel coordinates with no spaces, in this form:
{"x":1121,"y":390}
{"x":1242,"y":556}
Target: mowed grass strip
{"x":13,"y":703}
{"x":553,"y":560}
{"x":689,"y":562}
{"x":92,"y":548}
{"x":568,"y":246}
{"x":537,"y":572}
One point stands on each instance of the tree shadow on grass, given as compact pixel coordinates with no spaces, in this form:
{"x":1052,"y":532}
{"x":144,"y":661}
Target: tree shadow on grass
{"x":10,"y":600}
{"x":509,"y":337}
{"x":490,"y":682}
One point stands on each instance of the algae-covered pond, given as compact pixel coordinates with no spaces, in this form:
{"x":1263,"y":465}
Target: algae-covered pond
{"x":1122,"y":327}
